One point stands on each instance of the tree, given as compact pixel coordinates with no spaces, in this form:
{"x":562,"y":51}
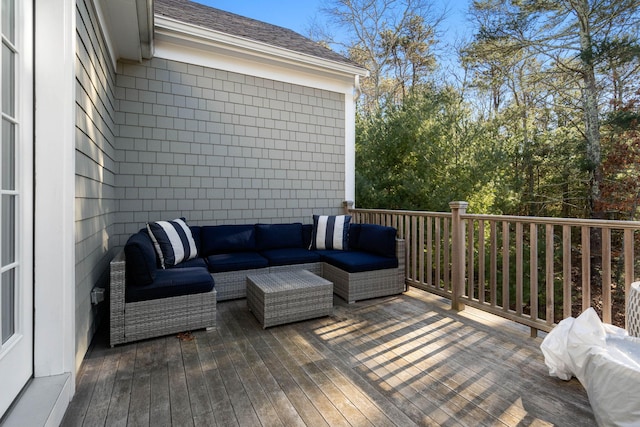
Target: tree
{"x":392,"y":39}
{"x":425,"y":152}
{"x":570,"y":36}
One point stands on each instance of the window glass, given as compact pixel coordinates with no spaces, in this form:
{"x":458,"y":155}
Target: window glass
{"x":8,"y":298}
{"x":8,"y":80}
{"x":8,"y":155}
{"x":8,"y":237}
{"x":8,"y":16}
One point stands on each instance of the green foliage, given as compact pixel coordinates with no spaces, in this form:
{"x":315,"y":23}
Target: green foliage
{"x":424,"y":153}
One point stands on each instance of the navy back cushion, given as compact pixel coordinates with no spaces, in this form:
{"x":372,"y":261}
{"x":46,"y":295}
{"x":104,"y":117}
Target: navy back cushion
{"x":224,"y":239}
{"x":354,"y":234}
{"x":195,"y":232}
{"x":279,"y":236}
{"x":378,"y":239}
{"x":307,"y":231}
{"x":140,"y":260}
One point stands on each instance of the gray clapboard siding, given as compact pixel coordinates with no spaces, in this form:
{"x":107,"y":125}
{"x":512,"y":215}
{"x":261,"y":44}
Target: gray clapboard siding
{"x":96,"y":168}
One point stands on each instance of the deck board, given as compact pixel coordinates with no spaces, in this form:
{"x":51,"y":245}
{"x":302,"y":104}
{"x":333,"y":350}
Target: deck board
{"x":402,"y":360}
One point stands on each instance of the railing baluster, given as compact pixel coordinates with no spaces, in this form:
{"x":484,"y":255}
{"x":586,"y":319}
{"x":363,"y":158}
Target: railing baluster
{"x":481,"y":261}
{"x":586,"y":267}
{"x":421,"y":249}
{"x":566,"y":271}
{"x":629,"y":275}
{"x":447,"y":255}
{"x":519,"y":269}
{"x":549,"y":279}
{"x":606,"y":275}
{"x":505,"y":265}
{"x":414,"y":248}
{"x":533,"y":271}
{"x":430,"y":251}
{"x":470,"y":261}
{"x":438,"y":279}
{"x":493,"y":273}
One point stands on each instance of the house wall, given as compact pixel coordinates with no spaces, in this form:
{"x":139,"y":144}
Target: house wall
{"x":96,"y":168}
{"x":219,"y":147}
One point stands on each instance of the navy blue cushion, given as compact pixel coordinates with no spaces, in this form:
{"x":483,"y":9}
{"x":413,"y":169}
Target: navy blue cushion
{"x":140,"y":260}
{"x":354,"y":234}
{"x":236,"y":261}
{"x":307,"y":231}
{"x":172,"y":241}
{"x":195,"y":232}
{"x":171,"y":283}
{"x":196,"y":262}
{"x":278,"y":236}
{"x":330,"y":232}
{"x":358,"y":261}
{"x":378,"y":239}
{"x":223,"y":239}
{"x":289,"y":256}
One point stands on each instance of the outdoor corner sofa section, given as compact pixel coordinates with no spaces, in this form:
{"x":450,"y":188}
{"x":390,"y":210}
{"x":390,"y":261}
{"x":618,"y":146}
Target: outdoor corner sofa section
{"x":148,"y":301}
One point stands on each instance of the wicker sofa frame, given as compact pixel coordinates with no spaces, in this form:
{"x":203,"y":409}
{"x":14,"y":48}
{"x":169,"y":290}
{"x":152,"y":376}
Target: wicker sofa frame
{"x":132,"y":321}
{"x":147,"y":319}
{"x":368,"y":284}
{"x":349,"y":286}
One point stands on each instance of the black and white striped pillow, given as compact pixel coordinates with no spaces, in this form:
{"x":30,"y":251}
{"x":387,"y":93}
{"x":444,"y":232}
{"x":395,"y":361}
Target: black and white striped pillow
{"x":330,"y":232}
{"x":173,"y":241}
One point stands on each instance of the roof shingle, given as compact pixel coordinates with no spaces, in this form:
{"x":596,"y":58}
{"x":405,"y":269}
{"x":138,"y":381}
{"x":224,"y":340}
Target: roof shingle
{"x":219,"y":20}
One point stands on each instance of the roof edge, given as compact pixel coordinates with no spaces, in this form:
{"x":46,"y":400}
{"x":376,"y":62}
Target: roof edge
{"x":205,"y":36}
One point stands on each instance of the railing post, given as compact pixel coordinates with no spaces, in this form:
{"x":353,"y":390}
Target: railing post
{"x":457,"y":254}
{"x":347,"y":205}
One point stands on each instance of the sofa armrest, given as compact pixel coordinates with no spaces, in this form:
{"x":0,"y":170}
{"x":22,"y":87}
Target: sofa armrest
{"x":116,"y":298}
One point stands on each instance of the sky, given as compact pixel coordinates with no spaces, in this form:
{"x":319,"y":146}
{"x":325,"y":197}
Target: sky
{"x":297,"y":15}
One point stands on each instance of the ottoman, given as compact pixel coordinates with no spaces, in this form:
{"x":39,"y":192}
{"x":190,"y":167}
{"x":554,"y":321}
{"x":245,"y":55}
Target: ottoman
{"x":288,"y":296}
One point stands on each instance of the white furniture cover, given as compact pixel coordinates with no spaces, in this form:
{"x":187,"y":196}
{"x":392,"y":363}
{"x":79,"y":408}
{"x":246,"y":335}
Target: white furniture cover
{"x":605,"y":359}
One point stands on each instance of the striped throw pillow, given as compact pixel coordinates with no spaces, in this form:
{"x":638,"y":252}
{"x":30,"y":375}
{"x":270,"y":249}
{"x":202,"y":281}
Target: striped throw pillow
{"x":173,"y":241}
{"x":330,"y":232}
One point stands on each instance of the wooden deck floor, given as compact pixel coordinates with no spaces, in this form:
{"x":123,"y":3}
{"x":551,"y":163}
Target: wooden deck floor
{"x":404,"y":360}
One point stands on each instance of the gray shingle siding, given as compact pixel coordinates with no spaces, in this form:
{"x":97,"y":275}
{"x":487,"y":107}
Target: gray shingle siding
{"x":247,"y":150}
{"x":96,"y":169}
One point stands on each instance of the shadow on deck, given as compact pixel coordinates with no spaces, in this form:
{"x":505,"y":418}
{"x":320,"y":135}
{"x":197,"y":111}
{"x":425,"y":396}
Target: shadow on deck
{"x":403,"y":360}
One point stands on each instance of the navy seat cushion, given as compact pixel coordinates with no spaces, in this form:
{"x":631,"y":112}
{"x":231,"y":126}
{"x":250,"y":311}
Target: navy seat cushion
{"x":171,"y":283}
{"x":219,"y":263}
{"x":224,"y":239}
{"x":358,"y":261}
{"x":278,"y":236}
{"x":196,"y":262}
{"x":140,"y":260}
{"x":378,"y":239}
{"x":288,"y":256}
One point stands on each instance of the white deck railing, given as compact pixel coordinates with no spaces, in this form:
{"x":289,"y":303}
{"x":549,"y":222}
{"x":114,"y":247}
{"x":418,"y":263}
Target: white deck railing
{"x":532,"y":270}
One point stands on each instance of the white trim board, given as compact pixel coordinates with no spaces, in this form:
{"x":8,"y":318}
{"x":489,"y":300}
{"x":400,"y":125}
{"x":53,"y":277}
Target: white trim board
{"x":263,"y":68}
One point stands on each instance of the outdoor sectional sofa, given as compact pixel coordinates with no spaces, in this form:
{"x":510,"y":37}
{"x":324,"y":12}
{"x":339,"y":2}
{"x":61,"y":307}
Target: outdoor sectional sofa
{"x":145,"y":297}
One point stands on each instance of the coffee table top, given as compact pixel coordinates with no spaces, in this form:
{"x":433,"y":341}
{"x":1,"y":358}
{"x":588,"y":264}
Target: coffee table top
{"x":287,"y":280}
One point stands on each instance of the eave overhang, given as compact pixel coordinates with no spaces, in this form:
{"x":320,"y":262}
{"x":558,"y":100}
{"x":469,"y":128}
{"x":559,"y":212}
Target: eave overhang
{"x":212,"y":41}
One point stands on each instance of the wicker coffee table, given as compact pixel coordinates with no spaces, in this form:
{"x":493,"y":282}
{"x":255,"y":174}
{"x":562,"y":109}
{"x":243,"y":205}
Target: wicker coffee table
{"x":288,"y":296}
